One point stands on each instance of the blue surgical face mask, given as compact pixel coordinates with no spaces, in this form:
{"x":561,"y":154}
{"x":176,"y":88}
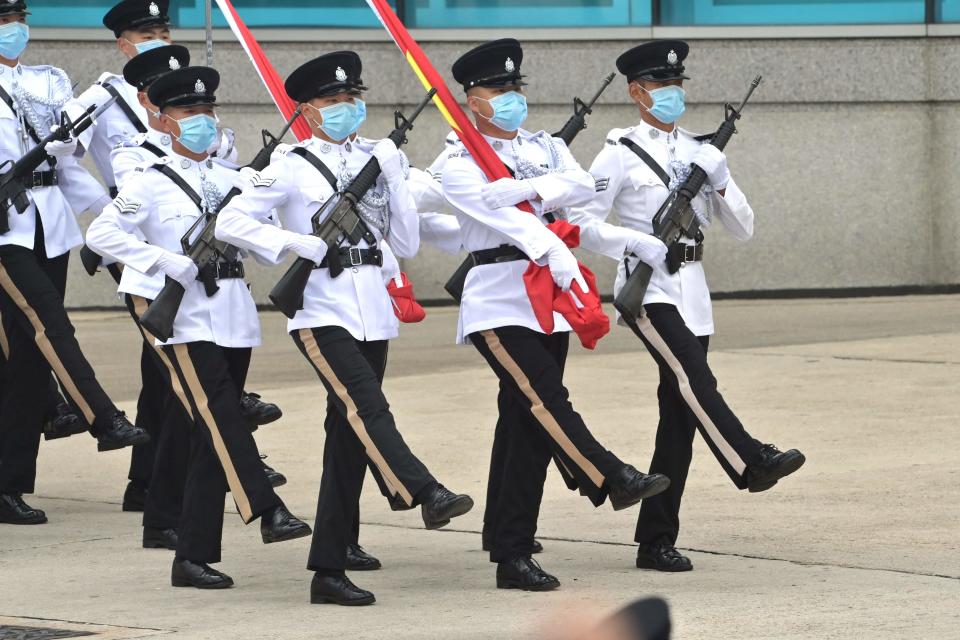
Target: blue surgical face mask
{"x":148,"y":45}
{"x":668,"y":103}
{"x":197,"y":132}
{"x":341,"y":120}
{"x":13,"y":39}
{"x":509,"y":111}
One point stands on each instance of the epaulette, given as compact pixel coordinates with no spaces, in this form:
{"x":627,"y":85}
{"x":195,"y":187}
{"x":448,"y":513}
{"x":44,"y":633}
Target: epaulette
{"x":159,"y":161}
{"x":132,"y":141}
{"x":283,"y":148}
{"x":107,"y":77}
{"x":699,"y":137}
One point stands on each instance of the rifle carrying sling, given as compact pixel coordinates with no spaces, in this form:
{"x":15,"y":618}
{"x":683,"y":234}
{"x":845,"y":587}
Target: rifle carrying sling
{"x":124,"y":106}
{"x":40,"y":178}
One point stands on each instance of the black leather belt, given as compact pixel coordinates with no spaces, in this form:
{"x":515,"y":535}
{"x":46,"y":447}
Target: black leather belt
{"x":226,"y":270}
{"x":503,"y":253}
{"x":681,"y":253}
{"x":40,"y":179}
{"x":354,"y":257}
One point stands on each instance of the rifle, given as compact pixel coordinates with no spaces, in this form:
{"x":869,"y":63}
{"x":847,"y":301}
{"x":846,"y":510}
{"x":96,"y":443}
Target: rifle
{"x":205,"y":250}
{"x":16,"y":180}
{"x":576,"y":124}
{"x":578,"y":121}
{"x":338,"y":221}
{"x":675,"y":218}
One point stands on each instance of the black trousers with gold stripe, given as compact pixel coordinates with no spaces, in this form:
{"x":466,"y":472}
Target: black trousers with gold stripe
{"x":222,"y":450}
{"x":536,"y":422}
{"x":161,"y":465}
{"x":352,"y":372}
{"x":689,"y":400}
{"x":40,"y":338}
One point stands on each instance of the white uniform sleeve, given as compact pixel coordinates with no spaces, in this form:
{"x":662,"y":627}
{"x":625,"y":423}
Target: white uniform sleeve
{"x":111,"y":234}
{"x":125,"y":162}
{"x":404,"y":235}
{"x":462,"y":180}
{"x":442,"y":231}
{"x":734,"y":211}
{"x":596,"y":234}
{"x":245,"y":222}
{"x":567,"y":188}
{"x":94,"y":95}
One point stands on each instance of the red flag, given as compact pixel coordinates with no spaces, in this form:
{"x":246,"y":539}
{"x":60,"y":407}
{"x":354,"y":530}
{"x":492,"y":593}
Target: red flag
{"x":581,"y":309}
{"x":268,"y":74}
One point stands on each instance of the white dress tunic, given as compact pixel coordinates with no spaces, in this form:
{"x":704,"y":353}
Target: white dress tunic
{"x":494,"y":295}
{"x":160,"y":210}
{"x":356,"y":299}
{"x":635,"y":193}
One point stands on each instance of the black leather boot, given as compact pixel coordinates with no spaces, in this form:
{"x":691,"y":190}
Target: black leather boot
{"x":524,"y":573}
{"x":116,"y":432}
{"x":629,"y":486}
{"x":441,"y":505}
{"x":13,"y":510}
{"x":186,"y":573}
{"x":280,"y":525}
{"x":772,"y":465}
{"x":337,"y":589}
{"x":360,"y":560}
{"x":662,"y":557}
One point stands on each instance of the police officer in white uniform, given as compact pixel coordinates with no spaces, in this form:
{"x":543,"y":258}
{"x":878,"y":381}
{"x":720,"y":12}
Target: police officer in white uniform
{"x":536,"y":418}
{"x":33,"y":271}
{"x":639,"y":165}
{"x":209,"y":351}
{"x":141,"y":26}
{"x":346,"y":320}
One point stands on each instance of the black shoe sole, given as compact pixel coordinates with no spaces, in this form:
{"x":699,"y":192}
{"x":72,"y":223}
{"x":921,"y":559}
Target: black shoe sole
{"x":359,"y":602}
{"x":461,"y":507}
{"x":277,"y":480}
{"x":301,"y":532}
{"x":27,"y":522}
{"x":114,"y":445}
{"x":176,"y":582}
{"x":653,"y":566}
{"x":790,"y":466}
{"x":656,"y":487}
{"x":364,"y":567}
{"x":267,"y":420}
{"x":513,"y":584}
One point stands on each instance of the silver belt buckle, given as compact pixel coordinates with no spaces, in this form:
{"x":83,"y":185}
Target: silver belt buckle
{"x":355,"y":258}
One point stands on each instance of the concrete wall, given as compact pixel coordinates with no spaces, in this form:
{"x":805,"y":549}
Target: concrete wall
{"x":848,"y":153}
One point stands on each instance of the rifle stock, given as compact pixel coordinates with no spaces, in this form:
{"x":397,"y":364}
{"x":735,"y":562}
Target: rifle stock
{"x":674,"y":218}
{"x":341,"y":224}
{"x":205,"y":250}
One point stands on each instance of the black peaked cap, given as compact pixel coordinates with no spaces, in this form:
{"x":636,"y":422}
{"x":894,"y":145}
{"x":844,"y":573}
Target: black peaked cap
{"x":134,"y":14}
{"x":327,"y":75}
{"x":143,"y":69}
{"x":185,"y":87}
{"x":657,"y":60}
{"x":491,"y":64}
{"x":13,"y":6}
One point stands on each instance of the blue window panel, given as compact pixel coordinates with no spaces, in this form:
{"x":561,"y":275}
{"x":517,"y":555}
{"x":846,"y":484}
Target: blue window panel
{"x":773,"y":12}
{"x":529,"y":13}
{"x":948,"y":11}
{"x":191,"y":14}
{"x":285,"y":13}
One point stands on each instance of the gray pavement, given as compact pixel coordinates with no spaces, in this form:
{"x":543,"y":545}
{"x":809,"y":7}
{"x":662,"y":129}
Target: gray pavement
{"x":862,"y":543}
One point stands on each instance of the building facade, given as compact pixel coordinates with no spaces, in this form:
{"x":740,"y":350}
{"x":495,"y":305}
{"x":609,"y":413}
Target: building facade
{"x":848,"y":151}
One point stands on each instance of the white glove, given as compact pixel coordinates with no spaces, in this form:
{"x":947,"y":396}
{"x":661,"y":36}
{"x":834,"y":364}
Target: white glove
{"x":58,"y":149}
{"x":647,"y":248}
{"x":310,"y":247}
{"x":243,"y":177}
{"x":179,"y":267}
{"x":506,"y":192}
{"x":564,"y":268}
{"x":714,"y":163}
{"x":388,"y":156}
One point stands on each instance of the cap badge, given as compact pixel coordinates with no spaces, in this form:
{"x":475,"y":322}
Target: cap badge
{"x":672,"y":57}
{"x":200,"y":87}
{"x":509,"y":66}
{"x":341,"y":74}
{"x":153,"y":9}
{"x":174,"y":64}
